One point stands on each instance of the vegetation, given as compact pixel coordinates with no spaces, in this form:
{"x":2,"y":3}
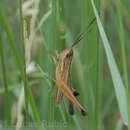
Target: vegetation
{"x":100,"y":68}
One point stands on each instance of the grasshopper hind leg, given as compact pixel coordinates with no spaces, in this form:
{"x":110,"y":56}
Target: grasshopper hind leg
{"x":70,"y":103}
{"x":75,"y":93}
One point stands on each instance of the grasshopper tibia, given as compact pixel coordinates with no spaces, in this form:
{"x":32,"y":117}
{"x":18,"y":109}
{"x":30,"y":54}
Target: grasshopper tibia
{"x":83,"y":112}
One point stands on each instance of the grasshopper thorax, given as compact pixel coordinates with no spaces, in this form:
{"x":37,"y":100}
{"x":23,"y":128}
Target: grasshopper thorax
{"x":64,"y":60}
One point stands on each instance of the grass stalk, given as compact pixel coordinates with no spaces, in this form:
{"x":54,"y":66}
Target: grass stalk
{"x":123,"y":53}
{"x":24,"y":62}
{"x":98,"y":79}
{"x":52,"y":47}
{"x":5,"y":80}
{"x":84,"y":21}
{"x":84,"y":5}
{"x":97,"y":100}
{"x":89,"y":51}
{"x":62,"y":28}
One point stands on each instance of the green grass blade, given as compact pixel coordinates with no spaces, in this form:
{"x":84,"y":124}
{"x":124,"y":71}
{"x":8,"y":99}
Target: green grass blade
{"x":3,"y":20}
{"x":99,"y":75}
{"x":117,"y":81}
{"x":88,"y":58}
{"x":5,"y":79}
{"x":13,"y":87}
{"x":123,"y":52}
{"x":18,"y":60}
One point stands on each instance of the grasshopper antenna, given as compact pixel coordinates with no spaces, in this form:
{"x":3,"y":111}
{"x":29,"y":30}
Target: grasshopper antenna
{"x":81,"y":36}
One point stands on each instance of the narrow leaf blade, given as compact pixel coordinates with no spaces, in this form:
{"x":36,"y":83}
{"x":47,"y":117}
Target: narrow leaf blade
{"x":117,"y":81}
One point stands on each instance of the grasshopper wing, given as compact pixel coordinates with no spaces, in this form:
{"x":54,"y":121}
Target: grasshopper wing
{"x":58,"y":95}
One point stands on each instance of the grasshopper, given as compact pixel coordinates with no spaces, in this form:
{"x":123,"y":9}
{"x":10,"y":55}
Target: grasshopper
{"x":63,"y":77}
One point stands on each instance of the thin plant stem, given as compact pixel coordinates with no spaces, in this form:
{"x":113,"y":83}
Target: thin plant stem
{"x":5,"y":80}
{"x":62,"y":28}
{"x":24,"y":62}
{"x":52,"y":47}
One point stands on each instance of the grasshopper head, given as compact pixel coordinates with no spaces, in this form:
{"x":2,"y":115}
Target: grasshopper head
{"x":66,"y":55}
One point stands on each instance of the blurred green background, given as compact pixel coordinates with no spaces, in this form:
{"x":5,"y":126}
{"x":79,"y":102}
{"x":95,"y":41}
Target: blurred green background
{"x":90,"y":71}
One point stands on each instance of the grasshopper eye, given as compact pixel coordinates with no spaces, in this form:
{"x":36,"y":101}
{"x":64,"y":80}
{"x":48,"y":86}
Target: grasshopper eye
{"x":69,"y":54}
